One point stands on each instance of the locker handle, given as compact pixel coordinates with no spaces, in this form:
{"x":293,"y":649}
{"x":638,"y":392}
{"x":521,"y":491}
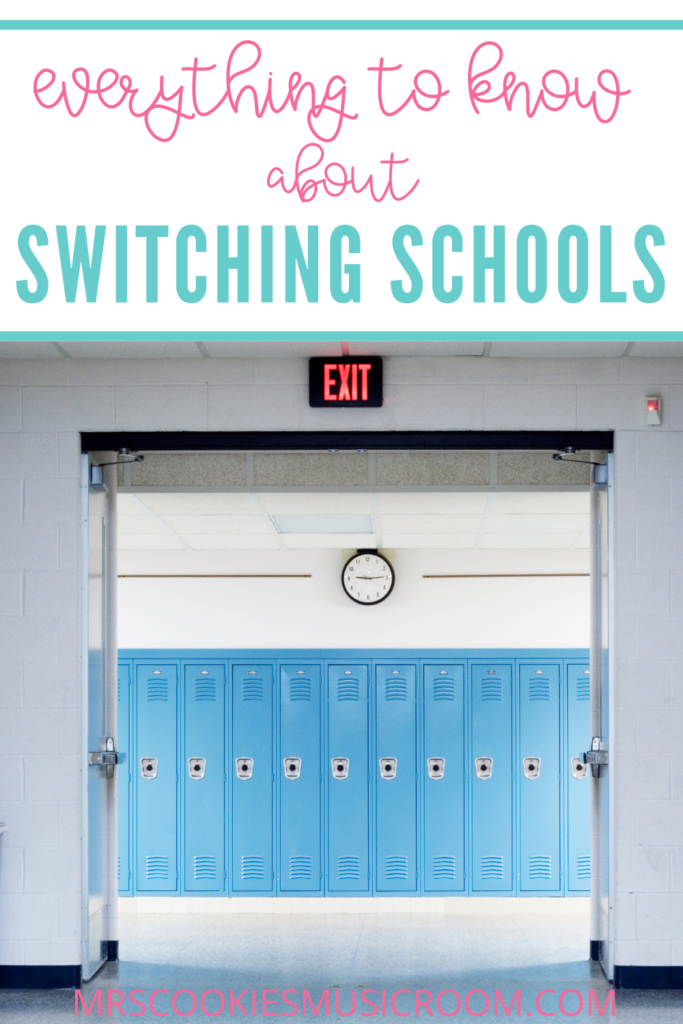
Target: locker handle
{"x":388,"y":766}
{"x":292,"y":766}
{"x":196,"y":767}
{"x":148,"y":767}
{"x":532,"y":767}
{"x":483,"y":767}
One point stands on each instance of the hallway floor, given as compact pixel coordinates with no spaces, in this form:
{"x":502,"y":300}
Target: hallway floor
{"x":346,"y":952}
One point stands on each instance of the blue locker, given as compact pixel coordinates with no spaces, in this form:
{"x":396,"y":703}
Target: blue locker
{"x":578,"y":789}
{"x":395,"y":772}
{"x":203,"y":773}
{"x":444,"y":786}
{"x":123,"y":773}
{"x":348,"y":771}
{"x":540,"y":785}
{"x":156,"y":775}
{"x":492,"y":793}
{"x":300,"y":778}
{"x":252,"y":778}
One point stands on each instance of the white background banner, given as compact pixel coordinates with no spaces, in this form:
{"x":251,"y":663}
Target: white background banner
{"x":554,"y":208}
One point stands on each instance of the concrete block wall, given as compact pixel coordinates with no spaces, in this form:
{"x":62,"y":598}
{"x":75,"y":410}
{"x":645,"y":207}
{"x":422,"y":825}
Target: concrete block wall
{"x":44,"y":403}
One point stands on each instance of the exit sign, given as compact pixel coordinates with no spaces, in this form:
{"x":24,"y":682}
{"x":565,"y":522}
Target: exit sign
{"x":346,"y":383}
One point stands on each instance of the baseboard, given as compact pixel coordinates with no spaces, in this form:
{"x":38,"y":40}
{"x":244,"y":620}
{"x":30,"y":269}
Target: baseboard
{"x":632,"y":976}
{"x":35,"y":976}
{"x":595,"y":953}
{"x":471,"y":905}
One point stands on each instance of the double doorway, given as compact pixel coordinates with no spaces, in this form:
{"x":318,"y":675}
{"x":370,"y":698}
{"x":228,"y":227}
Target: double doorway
{"x":171,"y":501}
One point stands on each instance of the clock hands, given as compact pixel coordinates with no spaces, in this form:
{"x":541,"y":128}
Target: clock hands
{"x":370,"y":577}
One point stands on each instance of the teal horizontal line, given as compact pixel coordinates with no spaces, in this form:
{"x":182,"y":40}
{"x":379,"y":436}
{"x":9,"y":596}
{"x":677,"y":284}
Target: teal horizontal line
{"x":148,"y":24}
{"x":341,"y":336}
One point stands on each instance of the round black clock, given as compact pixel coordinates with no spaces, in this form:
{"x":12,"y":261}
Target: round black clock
{"x":368,"y":578}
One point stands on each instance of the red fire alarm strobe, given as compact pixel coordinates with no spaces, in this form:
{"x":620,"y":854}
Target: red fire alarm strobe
{"x":654,"y":411}
{"x":351,"y":382}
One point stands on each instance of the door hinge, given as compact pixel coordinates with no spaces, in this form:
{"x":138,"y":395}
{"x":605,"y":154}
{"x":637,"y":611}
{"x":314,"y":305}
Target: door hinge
{"x":225,"y":875}
{"x":177,"y":875}
{"x":368,"y":874}
{"x":225,"y":777}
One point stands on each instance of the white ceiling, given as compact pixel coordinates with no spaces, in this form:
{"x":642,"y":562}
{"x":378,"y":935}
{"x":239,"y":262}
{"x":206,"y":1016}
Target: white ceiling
{"x":273,"y":350}
{"x":220,"y":522}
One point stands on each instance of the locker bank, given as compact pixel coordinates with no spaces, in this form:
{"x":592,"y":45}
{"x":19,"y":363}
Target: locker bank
{"x":354,"y":773}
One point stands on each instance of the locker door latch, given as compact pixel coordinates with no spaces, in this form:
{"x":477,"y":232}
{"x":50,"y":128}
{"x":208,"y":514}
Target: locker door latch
{"x":292,"y":767}
{"x":579,"y":769}
{"x":532,"y":767}
{"x":244,"y":767}
{"x":340,"y":767}
{"x":595,"y":756}
{"x":388,"y":767}
{"x":107,"y":758}
{"x":148,"y":767}
{"x":483,"y":766}
{"x":196,"y":767}
{"x":436,"y":767}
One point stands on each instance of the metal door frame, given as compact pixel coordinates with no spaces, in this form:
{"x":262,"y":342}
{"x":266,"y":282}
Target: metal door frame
{"x":198,"y":441}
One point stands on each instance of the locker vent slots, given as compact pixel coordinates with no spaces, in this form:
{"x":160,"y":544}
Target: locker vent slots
{"x":540,"y":867}
{"x":252,"y":689}
{"x":252,"y":867}
{"x":539,"y":688}
{"x":204,"y":868}
{"x":157,"y":867}
{"x":397,"y":867}
{"x":444,"y":867}
{"x":348,"y":868}
{"x":491,"y":688}
{"x":300,"y":867}
{"x":443,"y":688}
{"x":583,"y":688}
{"x":492,"y":867}
{"x":157,"y":689}
{"x":348,"y":689}
{"x":583,"y":867}
{"x":396,"y":689}
{"x":205,"y":689}
{"x":300,"y":689}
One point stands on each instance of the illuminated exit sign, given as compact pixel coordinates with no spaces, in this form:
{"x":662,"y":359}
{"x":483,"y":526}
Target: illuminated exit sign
{"x":348,"y":382}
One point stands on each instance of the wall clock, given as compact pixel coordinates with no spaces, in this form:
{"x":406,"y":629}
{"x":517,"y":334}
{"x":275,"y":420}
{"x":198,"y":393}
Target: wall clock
{"x":368,"y":578}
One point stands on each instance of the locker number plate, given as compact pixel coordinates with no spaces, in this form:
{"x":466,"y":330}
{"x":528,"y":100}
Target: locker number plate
{"x":388,"y":767}
{"x":532,"y":767}
{"x":436,"y":767}
{"x":244,"y":767}
{"x":340,"y":767}
{"x":579,"y":769}
{"x":483,"y":767}
{"x":148,"y":767}
{"x":196,"y":767}
{"x":292,"y":767}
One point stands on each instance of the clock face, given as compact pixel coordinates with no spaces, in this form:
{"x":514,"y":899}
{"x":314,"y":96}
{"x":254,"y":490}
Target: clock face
{"x":367,"y":578}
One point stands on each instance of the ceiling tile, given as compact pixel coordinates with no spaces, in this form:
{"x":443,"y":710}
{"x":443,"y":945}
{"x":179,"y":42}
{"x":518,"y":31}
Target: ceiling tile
{"x":227,"y":541}
{"x":433,"y":502}
{"x":196,"y":504}
{"x":536,"y":524}
{"x":425,"y":540}
{"x":521,"y":540}
{"x":552,"y":502}
{"x":315,"y":504}
{"x":139,"y":524}
{"x":217,"y":524}
{"x":426,"y":524}
{"x":340,"y":541}
{"x":146,"y":541}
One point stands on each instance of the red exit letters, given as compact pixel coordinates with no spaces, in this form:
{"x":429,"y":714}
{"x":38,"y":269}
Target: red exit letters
{"x":347,"y":392}
{"x":345,"y":382}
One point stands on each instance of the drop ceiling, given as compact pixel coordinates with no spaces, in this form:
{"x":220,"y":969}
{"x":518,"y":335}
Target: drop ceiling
{"x":223,"y":522}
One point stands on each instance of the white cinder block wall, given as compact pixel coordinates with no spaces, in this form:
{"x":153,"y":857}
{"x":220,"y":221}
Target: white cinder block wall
{"x":44,"y":403}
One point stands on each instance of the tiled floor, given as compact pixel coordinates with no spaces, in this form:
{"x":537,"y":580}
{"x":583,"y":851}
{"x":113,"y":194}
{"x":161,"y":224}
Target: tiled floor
{"x":343,"y":952}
